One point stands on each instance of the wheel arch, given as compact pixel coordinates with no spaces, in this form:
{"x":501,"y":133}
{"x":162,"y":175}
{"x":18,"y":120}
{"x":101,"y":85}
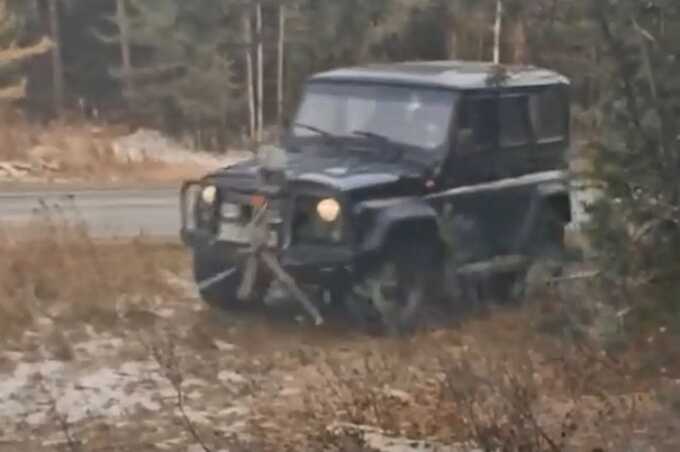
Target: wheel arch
{"x":408,"y":220}
{"x":557,"y":198}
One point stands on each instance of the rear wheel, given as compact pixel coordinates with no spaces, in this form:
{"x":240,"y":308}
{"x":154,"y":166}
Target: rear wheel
{"x":547,"y":251}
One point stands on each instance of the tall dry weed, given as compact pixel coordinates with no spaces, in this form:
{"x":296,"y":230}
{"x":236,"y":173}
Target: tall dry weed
{"x":54,"y":268}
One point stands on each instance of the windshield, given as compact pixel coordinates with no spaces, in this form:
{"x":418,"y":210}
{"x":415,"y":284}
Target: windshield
{"x":411,"y":116}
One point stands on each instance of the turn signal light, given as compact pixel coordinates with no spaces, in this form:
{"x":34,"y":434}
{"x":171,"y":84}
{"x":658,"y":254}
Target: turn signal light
{"x":258,"y":201}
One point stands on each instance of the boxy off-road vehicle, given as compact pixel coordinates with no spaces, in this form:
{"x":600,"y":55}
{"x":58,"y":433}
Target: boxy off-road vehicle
{"x":392,"y":175}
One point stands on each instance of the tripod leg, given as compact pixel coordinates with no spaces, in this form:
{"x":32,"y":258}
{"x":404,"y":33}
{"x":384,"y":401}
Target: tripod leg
{"x":290,"y":284}
{"x":248,"y":282}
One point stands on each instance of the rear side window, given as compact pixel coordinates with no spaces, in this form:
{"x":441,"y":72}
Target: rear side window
{"x":548,"y":114}
{"x":480,"y":118}
{"x":515,"y":129}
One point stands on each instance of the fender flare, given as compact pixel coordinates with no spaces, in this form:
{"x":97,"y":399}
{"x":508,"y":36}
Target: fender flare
{"x":385,"y":217}
{"x":544,"y":195}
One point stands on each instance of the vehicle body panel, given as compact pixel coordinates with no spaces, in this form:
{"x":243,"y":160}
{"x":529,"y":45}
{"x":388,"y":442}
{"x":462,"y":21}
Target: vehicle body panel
{"x":383,"y":185}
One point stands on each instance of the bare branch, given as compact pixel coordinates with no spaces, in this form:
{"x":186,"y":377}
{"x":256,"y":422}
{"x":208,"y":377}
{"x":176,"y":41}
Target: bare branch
{"x":14,"y":54}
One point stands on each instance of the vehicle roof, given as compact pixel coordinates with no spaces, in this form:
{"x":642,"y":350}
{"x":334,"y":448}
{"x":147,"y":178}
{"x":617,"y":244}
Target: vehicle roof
{"x":462,"y":75}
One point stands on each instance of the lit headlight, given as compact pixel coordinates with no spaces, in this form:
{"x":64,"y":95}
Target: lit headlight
{"x":328,"y":210}
{"x":209,"y":194}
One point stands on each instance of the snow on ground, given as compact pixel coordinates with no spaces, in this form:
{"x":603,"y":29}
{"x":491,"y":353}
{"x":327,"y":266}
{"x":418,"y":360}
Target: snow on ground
{"x":150,"y":145}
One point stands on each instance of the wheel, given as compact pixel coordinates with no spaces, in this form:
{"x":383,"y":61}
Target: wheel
{"x":394,"y":290}
{"x":218,"y":274}
{"x":547,"y":252}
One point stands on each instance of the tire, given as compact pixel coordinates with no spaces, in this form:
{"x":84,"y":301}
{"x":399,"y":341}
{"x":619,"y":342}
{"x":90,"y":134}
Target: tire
{"x":218,"y":274}
{"x":548,"y":254}
{"x":394,"y":291}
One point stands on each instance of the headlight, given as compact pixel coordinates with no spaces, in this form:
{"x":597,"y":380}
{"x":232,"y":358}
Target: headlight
{"x":328,"y":210}
{"x":209,"y":195}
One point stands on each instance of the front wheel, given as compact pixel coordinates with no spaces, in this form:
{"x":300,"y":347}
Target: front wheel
{"x":394,"y":290}
{"x":218,"y":272}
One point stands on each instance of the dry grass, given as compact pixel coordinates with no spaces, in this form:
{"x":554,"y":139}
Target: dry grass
{"x":82,"y":143}
{"x":494,"y":381}
{"x":57,"y":270}
{"x":81,"y":151}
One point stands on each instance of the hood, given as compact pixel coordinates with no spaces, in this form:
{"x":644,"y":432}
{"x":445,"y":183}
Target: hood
{"x":342,"y":172}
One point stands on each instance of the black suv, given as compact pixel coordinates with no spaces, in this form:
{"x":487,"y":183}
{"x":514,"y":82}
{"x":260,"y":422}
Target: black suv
{"x":392,"y":170}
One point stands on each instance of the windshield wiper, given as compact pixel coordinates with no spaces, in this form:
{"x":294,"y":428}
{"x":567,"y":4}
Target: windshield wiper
{"x":372,"y":135}
{"x":398,"y":150}
{"x":317,"y":130}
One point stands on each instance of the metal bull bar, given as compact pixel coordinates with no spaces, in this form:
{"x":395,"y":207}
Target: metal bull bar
{"x":260,"y":254}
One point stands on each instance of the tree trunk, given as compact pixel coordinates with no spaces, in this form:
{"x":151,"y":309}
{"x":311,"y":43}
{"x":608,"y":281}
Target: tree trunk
{"x":480,"y":47}
{"x":451,"y":32}
{"x":124,"y":27}
{"x":248,"y":39}
{"x":519,"y":42}
{"x":497,"y":32}
{"x":57,"y":60}
{"x":33,"y":10}
{"x":281,"y":62}
{"x":260,"y":73}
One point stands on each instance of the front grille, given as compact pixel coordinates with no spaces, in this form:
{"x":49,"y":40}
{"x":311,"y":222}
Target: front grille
{"x":236,"y":215}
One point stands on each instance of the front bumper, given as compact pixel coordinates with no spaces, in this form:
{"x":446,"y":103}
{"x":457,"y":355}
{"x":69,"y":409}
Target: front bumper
{"x":308,"y":262}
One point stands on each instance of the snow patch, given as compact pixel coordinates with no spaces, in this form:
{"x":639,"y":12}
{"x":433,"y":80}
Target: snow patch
{"x":33,"y":388}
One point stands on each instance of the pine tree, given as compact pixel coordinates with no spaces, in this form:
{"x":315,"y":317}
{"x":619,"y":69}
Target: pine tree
{"x":12,"y":21}
{"x":637,"y":227}
{"x":188,"y":76}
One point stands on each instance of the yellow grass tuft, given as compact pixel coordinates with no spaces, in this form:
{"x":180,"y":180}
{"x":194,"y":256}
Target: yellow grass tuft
{"x":57,"y":270}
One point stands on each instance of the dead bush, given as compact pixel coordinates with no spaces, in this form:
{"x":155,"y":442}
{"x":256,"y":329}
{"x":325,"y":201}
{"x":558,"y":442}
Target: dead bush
{"x":543,"y":395}
{"x":55,"y":269}
{"x":500,"y":408}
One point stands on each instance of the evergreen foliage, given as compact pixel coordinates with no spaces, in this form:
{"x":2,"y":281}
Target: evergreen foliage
{"x":637,"y":228}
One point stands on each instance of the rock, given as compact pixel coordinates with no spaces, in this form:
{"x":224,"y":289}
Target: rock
{"x":10,"y":169}
{"x":22,"y":166}
{"x":151,"y":145}
{"x":235,"y":411}
{"x":378,"y":440}
{"x":290,"y":392}
{"x":42,"y":153}
{"x":399,"y":395}
{"x":227,"y":376}
{"x":50,"y":166}
{"x":224,"y":346}
{"x":194,"y":383}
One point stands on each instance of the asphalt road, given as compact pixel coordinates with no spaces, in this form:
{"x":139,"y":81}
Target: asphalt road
{"x":108,"y":213}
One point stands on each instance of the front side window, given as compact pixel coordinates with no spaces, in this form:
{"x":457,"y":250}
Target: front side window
{"x":418,"y":117}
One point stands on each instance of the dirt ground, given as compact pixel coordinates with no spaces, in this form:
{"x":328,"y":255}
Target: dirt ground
{"x":136,"y":362}
{"x":245,"y":380}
